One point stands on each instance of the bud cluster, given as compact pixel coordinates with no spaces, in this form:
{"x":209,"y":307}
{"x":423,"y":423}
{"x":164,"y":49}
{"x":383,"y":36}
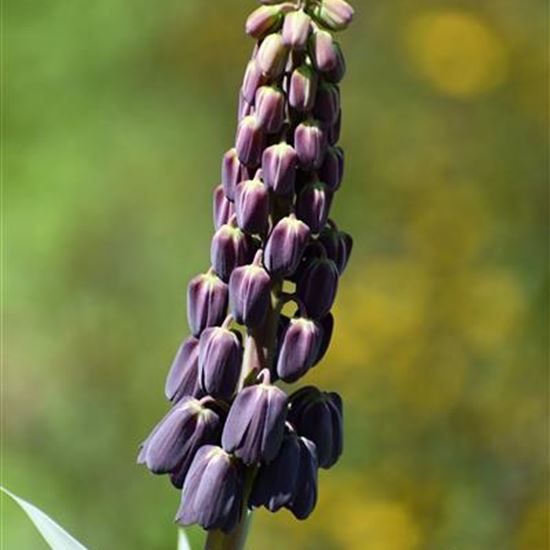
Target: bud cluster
{"x":232,"y":438}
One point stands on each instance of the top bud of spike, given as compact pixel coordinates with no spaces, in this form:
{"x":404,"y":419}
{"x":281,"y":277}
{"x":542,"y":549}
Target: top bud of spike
{"x":262,"y":21}
{"x":335,"y":15}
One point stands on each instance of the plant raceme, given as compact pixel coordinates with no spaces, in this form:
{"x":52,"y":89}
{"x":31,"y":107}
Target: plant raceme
{"x":234,"y":440}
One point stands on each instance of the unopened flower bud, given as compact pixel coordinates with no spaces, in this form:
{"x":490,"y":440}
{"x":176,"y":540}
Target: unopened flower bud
{"x":345,"y":247}
{"x":253,"y":79}
{"x":230,"y":248}
{"x":183,"y":378}
{"x":220,"y":358}
{"x":250,"y":141}
{"x":252,"y":206}
{"x":255,"y":425}
{"x":337,"y":73}
{"x":264,"y":20}
{"x":189,"y":425}
{"x":207,"y":299}
{"x":270,"y":109}
{"x":213,"y":491}
{"x":223,"y":208}
{"x":272,"y":56}
{"x":317,"y":286}
{"x":296,"y":29}
{"x":285,"y":246}
{"x":327,"y":103}
{"x":333,"y":131}
{"x":313,"y":251}
{"x":313,"y":205}
{"x":279,"y":168}
{"x":331,"y":171}
{"x":327,"y":324}
{"x":304,"y":498}
{"x":299,"y":349}
{"x":317,"y":416}
{"x":329,"y":238}
{"x":275,"y":484}
{"x":322,"y":51}
{"x":250,"y":292}
{"x":310,"y":144}
{"x":333,"y":14}
{"x":233,"y":172}
{"x":303,"y":88}
{"x":244,"y":108}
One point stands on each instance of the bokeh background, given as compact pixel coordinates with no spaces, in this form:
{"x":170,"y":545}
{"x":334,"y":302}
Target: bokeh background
{"x":116,"y":114}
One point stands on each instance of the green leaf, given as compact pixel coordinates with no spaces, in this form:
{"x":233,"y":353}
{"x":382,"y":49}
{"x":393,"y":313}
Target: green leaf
{"x":55,"y":536}
{"x":183,"y":541}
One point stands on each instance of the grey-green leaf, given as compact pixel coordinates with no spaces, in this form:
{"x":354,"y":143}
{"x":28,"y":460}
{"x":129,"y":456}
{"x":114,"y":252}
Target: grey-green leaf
{"x":55,"y":536}
{"x":183,"y":541}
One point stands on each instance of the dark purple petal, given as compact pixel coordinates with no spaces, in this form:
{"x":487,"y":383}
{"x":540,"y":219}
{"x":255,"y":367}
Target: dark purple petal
{"x":310,"y":144}
{"x":322,"y":51}
{"x":299,"y":349}
{"x":305,"y":491}
{"x":207,"y":300}
{"x":313,"y":206}
{"x":220,"y":358}
{"x":270,"y":109}
{"x":249,"y":142}
{"x":285,"y":246}
{"x":223,"y":208}
{"x":279,"y":168}
{"x":252,"y":206}
{"x":327,"y":103}
{"x":317,"y":286}
{"x":253,"y":79}
{"x":250,"y":291}
{"x":231,"y":248}
{"x":183,"y":378}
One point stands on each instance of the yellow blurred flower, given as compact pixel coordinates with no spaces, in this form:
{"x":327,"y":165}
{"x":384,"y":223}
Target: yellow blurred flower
{"x":457,"y":52}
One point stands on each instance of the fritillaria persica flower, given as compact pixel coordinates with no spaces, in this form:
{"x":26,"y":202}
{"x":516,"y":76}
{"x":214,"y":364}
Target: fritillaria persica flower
{"x":232,"y":439}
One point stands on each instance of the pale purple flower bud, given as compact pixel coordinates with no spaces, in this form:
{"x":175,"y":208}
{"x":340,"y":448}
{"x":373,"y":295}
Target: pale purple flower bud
{"x":310,"y":144}
{"x":272,"y":56}
{"x":231,"y":248}
{"x":305,"y":491}
{"x":303,"y":88}
{"x":335,"y":15}
{"x":220,"y":358}
{"x":245,"y":108}
{"x":317,"y":286}
{"x":223,"y":208}
{"x":333,"y":132}
{"x":183,"y":378}
{"x":299,"y":348}
{"x":279,"y":168}
{"x":252,"y":206}
{"x":253,"y":79}
{"x":337,"y":73}
{"x":207,"y":299}
{"x":264,"y":20}
{"x":250,"y":292}
{"x":317,"y":416}
{"x":233,"y":172}
{"x":327,"y":103}
{"x":285,"y":246}
{"x":213,"y":491}
{"x":331,"y":171}
{"x":313,"y":205}
{"x":275,"y":484}
{"x":250,"y":141}
{"x":255,"y":425}
{"x":327,"y":324}
{"x":322,"y":51}
{"x":296,"y":29}
{"x":189,"y":425}
{"x":270,"y":109}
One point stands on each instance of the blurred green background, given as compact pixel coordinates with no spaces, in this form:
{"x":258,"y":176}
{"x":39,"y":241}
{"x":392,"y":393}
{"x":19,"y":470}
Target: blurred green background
{"x":116,"y":114}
